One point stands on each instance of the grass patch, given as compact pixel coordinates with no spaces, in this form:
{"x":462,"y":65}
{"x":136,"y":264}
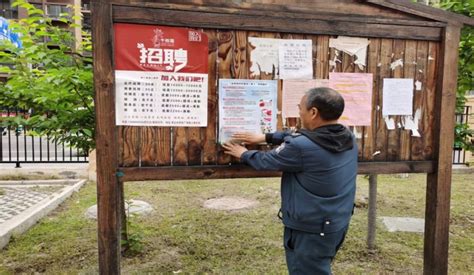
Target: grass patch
{"x":180,"y":235}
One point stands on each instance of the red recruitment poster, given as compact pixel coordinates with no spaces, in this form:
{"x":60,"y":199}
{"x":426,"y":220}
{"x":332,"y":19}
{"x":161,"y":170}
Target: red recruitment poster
{"x":160,"y":75}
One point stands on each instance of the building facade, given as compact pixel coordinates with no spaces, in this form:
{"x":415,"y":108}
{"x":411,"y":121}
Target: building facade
{"x":53,"y":9}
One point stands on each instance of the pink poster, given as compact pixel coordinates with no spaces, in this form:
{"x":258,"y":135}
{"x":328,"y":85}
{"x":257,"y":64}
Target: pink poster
{"x":356,"y":88}
{"x":294,"y":90}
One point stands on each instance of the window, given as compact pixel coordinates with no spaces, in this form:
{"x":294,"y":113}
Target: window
{"x":55,"y":11}
{"x":6,"y":10}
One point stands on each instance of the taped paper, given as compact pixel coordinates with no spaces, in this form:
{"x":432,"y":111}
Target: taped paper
{"x":411,"y":123}
{"x":352,"y":46}
{"x":418,"y":85}
{"x":356,"y":134}
{"x":396,"y":63}
{"x":390,"y":122}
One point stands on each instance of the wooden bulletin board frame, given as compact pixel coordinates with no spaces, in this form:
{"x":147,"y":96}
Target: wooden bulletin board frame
{"x":269,"y":18}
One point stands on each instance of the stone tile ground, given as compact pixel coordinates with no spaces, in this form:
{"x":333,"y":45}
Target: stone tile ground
{"x":23,"y":203}
{"x":18,"y":199}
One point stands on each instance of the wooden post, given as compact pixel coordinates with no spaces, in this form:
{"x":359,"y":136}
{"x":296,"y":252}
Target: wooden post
{"x":123,"y":217}
{"x":108,"y":192}
{"x":372,"y":216}
{"x":438,"y":190}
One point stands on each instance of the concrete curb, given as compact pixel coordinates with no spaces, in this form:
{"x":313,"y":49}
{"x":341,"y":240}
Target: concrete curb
{"x":38,"y":182}
{"x":28,"y":218}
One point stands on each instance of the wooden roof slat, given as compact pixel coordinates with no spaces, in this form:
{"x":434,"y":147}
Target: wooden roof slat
{"x":424,"y":11}
{"x":200,"y":19}
{"x":288,"y":14}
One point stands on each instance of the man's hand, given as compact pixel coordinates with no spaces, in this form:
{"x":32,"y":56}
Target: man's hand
{"x":248,"y":138}
{"x":234,"y":150}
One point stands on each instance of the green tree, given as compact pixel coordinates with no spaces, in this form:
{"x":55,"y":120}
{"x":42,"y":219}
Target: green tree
{"x":50,"y":79}
{"x":463,"y":134}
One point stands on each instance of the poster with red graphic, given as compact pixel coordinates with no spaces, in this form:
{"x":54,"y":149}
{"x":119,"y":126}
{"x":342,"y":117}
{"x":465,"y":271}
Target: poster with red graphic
{"x":247,"y":106}
{"x":161,"y":76}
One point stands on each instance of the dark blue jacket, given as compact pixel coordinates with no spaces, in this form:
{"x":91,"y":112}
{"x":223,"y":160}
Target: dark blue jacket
{"x":317,"y":186}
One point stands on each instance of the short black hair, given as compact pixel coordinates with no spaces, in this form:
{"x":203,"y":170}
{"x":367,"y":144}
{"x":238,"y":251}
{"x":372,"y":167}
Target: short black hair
{"x":329,"y":103}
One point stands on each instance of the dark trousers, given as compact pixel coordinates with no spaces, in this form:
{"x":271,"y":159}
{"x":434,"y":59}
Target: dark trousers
{"x":311,"y":253}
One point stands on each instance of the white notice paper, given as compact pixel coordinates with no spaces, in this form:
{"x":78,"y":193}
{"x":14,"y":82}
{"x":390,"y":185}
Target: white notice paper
{"x":160,"y":99}
{"x":397,"y":96}
{"x":264,"y":55}
{"x":296,"y":59}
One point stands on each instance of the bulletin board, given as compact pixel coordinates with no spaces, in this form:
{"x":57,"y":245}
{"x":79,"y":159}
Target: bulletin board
{"x":192,"y":149}
{"x":406,"y":41}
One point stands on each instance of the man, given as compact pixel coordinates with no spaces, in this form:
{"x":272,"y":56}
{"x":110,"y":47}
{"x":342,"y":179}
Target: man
{"x":319,"y":165}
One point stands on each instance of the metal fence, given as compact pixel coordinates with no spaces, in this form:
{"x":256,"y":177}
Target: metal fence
{"x":459,"y":154}
{"x":17,"y":146}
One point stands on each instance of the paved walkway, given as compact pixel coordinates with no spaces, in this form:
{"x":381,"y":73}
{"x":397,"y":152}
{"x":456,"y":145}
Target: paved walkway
{"x":18,"y":199}
{"x":23,"y":203}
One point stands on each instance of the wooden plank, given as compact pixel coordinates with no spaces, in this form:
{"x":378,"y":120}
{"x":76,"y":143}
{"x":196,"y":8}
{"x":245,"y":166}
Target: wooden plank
{"x":280,"y":121}
{"x":385,"y":59}
{"x":199,"y":19}
{"x":195,"y":141}
{"x":224,"y":70}
{"x":370,"y":132}
{"x":240,"y":58}
{"x":108,"y":192}
{"x":244,"y":171}
{"x":418,"y":144}
{"x":163,"y":146}
{"x":429,"y":99}
{"x":180,"y":146}
{"x":209,"y":134}
{"x":194,"y":145}
{"x":120,"y":143}
{"x":425,"y":11}
{"x":439,"y":182}
{"x":322,"y":57}
{"x":148,"y":139}
{"x":131,"y":145}
{"x":393,"y":148}
{"x":327,"y":10}
{"x":409,"y":70}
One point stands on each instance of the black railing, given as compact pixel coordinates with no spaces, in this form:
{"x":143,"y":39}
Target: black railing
{"x":459,"y":154}
{"x":18,"y":146}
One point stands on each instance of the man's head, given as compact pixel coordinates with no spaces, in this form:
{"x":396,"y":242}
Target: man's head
{"x":320,"y":106}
